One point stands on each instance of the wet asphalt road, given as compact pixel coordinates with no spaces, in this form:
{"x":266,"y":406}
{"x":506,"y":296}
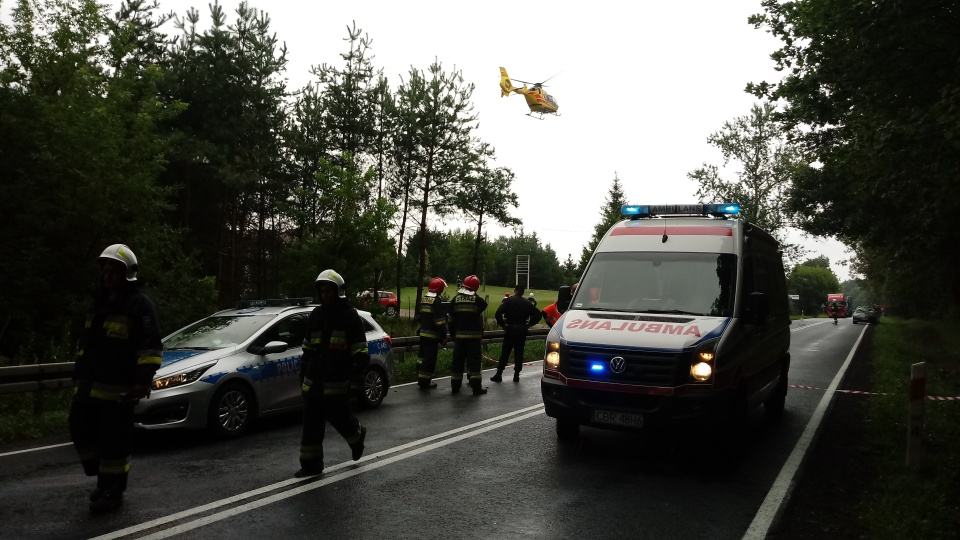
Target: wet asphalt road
{"x":436,"y":466}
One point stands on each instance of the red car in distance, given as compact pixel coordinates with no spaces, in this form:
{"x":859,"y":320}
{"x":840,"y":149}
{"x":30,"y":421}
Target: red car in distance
{"x":387,"y":299}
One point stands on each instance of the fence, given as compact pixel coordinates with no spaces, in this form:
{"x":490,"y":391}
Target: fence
{"x":35,"y":377}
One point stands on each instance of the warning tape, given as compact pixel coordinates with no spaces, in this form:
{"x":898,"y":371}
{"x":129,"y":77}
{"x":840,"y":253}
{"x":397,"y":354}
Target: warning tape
{"x":861,"y":392}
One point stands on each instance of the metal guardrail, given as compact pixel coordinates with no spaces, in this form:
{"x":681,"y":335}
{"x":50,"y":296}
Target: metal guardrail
{"x":33,"y":377}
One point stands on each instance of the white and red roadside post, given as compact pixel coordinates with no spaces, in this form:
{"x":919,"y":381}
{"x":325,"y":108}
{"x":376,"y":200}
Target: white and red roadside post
{"x":918,"y":384}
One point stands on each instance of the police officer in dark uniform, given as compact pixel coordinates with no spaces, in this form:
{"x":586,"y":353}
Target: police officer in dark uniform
{"x":433,"y":332}
{"x":334,"y":352}
{"x":466,"y":329}
{"x":515,"y":315}
{"x":120,"y":352}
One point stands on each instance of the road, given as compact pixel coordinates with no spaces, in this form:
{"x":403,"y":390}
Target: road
{"x":436,"y":466}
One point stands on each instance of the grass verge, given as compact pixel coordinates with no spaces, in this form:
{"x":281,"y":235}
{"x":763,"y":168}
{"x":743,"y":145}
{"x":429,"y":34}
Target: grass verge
{"x":922,"y":503}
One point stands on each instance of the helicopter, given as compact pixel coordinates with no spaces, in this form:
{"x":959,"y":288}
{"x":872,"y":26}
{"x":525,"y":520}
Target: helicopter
{"x":539,"y":101}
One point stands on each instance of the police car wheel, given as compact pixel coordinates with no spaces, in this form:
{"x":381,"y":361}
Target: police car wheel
{"x":231,"y":411}
{"x":373,"y":389}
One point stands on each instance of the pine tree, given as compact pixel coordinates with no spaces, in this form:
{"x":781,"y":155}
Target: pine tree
{"x":609,"y":215}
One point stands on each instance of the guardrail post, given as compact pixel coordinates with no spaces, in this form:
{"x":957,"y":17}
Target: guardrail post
{"x":915,"y":419}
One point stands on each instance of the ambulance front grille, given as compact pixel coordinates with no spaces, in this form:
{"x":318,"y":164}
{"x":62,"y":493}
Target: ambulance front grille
{"x":648,"y":368}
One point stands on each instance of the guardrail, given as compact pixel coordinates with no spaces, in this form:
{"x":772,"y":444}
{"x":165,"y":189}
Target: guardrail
{"x":33,"y":377}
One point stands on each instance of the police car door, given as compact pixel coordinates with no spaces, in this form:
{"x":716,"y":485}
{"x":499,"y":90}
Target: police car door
{"x":279,"y":383}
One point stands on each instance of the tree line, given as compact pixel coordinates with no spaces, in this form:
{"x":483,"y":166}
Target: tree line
{"x":191,"y":148}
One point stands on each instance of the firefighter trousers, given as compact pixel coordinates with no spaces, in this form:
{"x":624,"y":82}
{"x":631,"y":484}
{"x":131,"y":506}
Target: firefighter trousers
{"x":515,"y":343}
{"x":427,"y":361}
{"x":318,"y":409}
{"x":465,"y":351}
{"x":102,"y":432}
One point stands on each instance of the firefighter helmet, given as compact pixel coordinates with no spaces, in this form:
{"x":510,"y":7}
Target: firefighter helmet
{"x":471,"y":283}
{"x":331,"y":276}
{"x":437,"y":285}
{"x":122,"y":253}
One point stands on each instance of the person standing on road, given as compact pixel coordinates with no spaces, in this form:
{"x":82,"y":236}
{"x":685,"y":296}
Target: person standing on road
{"x":433,"y":332}
{"x":334,"y":351}
{"x":120,"y":351}
{"x":531,"y":298}
{"x":515,"y":315}
{"x":466,"y":329}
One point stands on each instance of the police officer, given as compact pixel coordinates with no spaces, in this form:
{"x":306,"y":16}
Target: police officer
{"x":466,"y":329}
{"x":120,"y":350}
{"x":433,"y":332}
{"x":334,"y":352}
{"x":515,"y":315}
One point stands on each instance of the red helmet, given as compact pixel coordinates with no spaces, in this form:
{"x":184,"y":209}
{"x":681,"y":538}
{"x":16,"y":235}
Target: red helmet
{"x":471,"y":283}
{"x":437,"y":285}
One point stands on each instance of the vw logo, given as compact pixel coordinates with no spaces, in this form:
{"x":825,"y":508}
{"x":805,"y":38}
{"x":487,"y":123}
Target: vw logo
{"x":618,"y":364}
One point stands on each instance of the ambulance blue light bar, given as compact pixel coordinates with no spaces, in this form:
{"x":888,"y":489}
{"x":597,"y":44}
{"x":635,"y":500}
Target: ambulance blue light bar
{"x":646,"y":210}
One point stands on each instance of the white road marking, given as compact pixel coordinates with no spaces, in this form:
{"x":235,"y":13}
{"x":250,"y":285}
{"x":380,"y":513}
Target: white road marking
{"x":780,"y":490}
{"x":35,"y":449}
{"x":504,"y":419}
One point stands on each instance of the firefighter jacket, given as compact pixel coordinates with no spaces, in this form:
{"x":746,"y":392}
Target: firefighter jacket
{"x":433,"y":318}
{"x":551,"y":315}
{"x":516,"y":315}
{"x":466,"y":316}
{"x":120,"y":345}
{"x":334,"y":349}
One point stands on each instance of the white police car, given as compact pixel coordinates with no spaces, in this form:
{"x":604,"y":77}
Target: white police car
{"x":237,"y":365}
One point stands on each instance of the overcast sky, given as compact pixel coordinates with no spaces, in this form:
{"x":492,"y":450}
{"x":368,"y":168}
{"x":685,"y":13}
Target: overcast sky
{"x":640,"y":88}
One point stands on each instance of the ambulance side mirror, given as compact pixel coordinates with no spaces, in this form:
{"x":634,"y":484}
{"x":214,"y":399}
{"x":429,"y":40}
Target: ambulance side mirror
{"x":563,"y":298}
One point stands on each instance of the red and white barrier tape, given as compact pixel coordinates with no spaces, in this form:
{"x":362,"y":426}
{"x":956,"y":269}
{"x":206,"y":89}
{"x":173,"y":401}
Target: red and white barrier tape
{"x":861,"y":392}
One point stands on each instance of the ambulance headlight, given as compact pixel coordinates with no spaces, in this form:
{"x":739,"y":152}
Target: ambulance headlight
{"x":552,"y":358}
{"x":701,"y":371}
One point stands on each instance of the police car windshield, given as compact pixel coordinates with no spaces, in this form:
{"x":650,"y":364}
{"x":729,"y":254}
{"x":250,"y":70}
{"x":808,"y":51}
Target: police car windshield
{"x":216,"y":332}
{"x":661,"y":283}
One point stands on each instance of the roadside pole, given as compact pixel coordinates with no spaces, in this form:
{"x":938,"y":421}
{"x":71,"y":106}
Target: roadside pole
{"x":915,"y":419}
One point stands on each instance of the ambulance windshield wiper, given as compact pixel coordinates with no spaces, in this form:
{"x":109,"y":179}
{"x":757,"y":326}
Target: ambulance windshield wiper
{"x":668,"y":312}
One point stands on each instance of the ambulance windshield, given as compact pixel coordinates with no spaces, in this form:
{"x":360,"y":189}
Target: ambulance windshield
{"x":651,"y":282}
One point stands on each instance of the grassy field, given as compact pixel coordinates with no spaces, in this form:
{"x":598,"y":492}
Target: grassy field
{"x":922,"y":503}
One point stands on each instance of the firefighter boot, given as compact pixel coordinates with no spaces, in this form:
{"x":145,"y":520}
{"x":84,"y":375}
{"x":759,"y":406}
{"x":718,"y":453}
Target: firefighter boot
{"x":455,"y":385}
{"x":478,"y":390}
{"x":498,"y":377}
{"x":428,"y":385}
{"x":516,"y":376}
{"x":106,"y":502}
{"x":357,"y":447}
{"x":308,"y":471}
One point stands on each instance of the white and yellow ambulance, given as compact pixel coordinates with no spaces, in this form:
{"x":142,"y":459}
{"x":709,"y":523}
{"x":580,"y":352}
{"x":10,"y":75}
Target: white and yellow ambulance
{"x":679,"y":320}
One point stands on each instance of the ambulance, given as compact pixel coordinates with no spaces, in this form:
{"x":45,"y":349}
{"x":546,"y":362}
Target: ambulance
{"x":679,"y":321}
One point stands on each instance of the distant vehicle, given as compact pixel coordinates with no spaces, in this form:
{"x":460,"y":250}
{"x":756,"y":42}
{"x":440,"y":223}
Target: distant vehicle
{"x":680,"y":320}
{"x":225,"y":371}
{"x":865,"y":315}
{"x":387,"y":299}
{"x":844,"y":305}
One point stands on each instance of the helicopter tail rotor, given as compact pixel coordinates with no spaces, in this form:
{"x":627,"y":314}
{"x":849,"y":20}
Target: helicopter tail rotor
{"x":506,"y":86}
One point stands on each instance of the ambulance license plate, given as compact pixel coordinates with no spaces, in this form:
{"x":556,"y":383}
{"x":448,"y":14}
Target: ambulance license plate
{"x":618,"y":418}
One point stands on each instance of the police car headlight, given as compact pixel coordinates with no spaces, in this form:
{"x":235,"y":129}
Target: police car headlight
{"x":179,"y":379}
{"x":552,"y":358}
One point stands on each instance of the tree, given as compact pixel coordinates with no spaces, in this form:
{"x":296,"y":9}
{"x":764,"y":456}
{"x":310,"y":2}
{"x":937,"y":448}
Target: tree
{"x":610,"y":214}
{"x":813,"y":282}
{"x":874,"y":86}
{"x":767,"y":163}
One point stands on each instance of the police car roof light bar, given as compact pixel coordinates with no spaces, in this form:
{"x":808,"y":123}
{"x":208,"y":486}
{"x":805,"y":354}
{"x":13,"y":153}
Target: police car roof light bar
{"x":302,"y":301}
{"x":636,"y":211}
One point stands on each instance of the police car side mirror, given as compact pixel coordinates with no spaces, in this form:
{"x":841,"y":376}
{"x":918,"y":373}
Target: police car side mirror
{"x":758,"y":308}
{"x":563,"y":298}
{"x":269,"y":348}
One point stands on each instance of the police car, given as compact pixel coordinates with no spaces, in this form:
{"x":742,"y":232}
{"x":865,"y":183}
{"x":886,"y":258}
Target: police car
{"x":680,"y":319}
{"x":225,"y":371}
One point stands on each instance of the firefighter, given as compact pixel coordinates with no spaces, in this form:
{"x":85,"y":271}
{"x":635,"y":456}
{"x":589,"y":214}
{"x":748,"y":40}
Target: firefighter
{"x":551,"y":315}
{"x":334,"y":352}
{"x":433,"y":332}
{"x":515,"y":316}
{"x":120,"y":350}
{"x":466,"y":329}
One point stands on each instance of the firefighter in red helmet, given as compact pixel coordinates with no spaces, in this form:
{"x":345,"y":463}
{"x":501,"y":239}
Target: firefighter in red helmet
{"x":120,"y":351}
{"x":466,"y":329}
{"x":433,"y":332}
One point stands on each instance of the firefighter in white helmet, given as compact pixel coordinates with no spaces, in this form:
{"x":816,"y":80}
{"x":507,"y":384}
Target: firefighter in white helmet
{"x":120,"y":350}
{"x":334,"y":350}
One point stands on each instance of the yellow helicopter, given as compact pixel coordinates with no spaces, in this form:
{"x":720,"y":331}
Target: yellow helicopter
{"x":539,"y":101}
